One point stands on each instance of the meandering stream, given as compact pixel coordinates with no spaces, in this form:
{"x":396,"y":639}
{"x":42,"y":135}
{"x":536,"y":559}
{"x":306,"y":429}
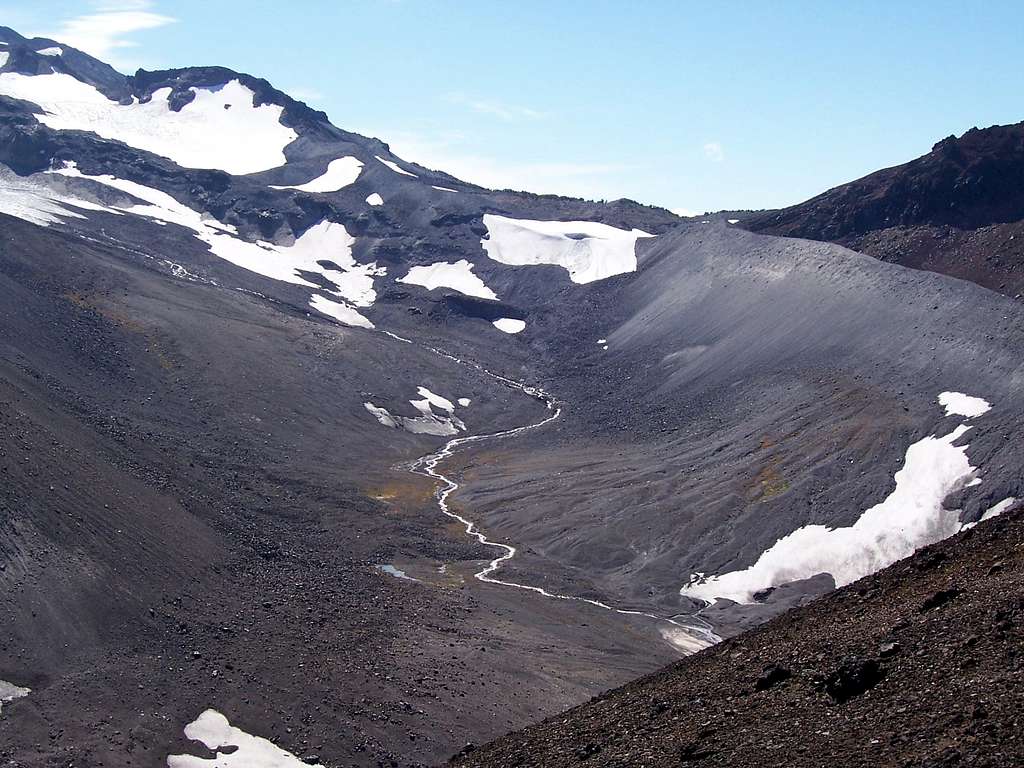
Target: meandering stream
{"x":690,"y":634}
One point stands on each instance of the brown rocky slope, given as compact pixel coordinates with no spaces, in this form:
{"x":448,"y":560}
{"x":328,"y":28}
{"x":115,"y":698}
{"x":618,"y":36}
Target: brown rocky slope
{"x":958,"y":210}
{"x":918,"y":665}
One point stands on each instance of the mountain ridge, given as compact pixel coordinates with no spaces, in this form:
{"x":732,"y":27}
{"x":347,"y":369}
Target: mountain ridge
{"x":957,"y":210}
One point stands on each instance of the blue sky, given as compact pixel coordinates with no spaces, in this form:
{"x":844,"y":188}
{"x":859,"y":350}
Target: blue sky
{"x":695,"y":106}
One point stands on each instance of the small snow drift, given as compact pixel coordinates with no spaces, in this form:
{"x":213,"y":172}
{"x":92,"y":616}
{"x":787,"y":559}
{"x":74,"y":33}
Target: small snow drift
{"x":457,"y":276}
{"x":395,"y":167}
{"x":509,"y":324}
{"x":53,"y":50}
{"x":38,"y":204}
{"x":219,"y":129}
{"x":428,"y":422}
{"x":436,"y":400}
{"x":587,"y":250}
{"x":375,"y":199}
{"x":341,"y":312}
{"x":911,"y":517}
{"x":994,"y":511}
{"x":10,"y":692}
{"x":339,"y":174}
{"x":248,"y":751}
{"x":959,"y":404}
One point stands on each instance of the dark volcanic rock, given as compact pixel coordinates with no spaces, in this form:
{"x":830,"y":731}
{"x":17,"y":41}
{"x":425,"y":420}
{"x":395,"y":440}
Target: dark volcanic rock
{"x":852,"y":677}
{"x":772,"y":675}
{"x":957,"y":210}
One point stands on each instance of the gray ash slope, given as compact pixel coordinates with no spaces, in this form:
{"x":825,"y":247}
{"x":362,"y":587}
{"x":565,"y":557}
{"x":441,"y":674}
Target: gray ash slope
{"x":752,"y":385}
{"x":196,"y":498}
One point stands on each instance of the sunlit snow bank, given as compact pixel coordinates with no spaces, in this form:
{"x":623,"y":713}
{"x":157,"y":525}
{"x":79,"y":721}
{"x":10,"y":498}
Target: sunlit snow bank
{"x":957,"y":403}
{"x":10,"y":692}
{"x":375,"y":199}
{"x":395,"y":167}
{"x":428,"y":422}
{"x":588,"y":250}
{"x":911,"y":517}
{"x":339,"y":174}
{"x":246,"y":751}
{"x":324,"y":249}
{"x":220,"y":128}
{"x":4,"y":57}
{"x":341,"y":312}
{"x":38,"y":204}
{"x":994,"y":511}
{"x":458,"y":276}
{"x":509,"y":324}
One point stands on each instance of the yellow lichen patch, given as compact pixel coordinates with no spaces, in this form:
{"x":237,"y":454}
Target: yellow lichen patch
{"x":770,"y":483}
{"x":404,"y":492}
{"x":447,"y":575}
{"x":153,"y":344}
{"x":455,"y":529}
{"x":80,"y":301}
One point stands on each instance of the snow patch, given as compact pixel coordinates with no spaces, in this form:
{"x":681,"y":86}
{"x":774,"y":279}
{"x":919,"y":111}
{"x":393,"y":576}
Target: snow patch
{"x":443,"y":189}
{"x":588,"y":250}
{"x":4,"y":57}
{"x":341,"y":312}
{"x":326,"y":242}
{"x":213,"y":730}
{"x":436,"y":400}
{"x":220,"y":128}
{"x":39,"y":204}
{"x":733,"y":221}
{"x":339,"y":174}
{"x":994,"y":511}
{"x":10,"y":692}
{"x":464,"y":402}
{"x":997,"y":509}
{"x":957,"y":403}
{"x":51,"y":51}
{"x":509,"y":324}
{"x":458,"y":276}
{"x":375,"y":199}
{"x":911,"y":517}
{"x":394,"y":167}
{"x":428,"y":422}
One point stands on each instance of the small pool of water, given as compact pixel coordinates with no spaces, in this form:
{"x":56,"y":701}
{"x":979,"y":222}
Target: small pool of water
{"x":398,"y":573}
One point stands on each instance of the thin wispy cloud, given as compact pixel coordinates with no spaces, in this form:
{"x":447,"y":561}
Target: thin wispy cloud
{"x":450,"y":152}
{"x":106,"y":31}
{"x":308,"y":95}
{"x":686,"y":213}
{"x":714,"y":152}
{"x":493,"y":107}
